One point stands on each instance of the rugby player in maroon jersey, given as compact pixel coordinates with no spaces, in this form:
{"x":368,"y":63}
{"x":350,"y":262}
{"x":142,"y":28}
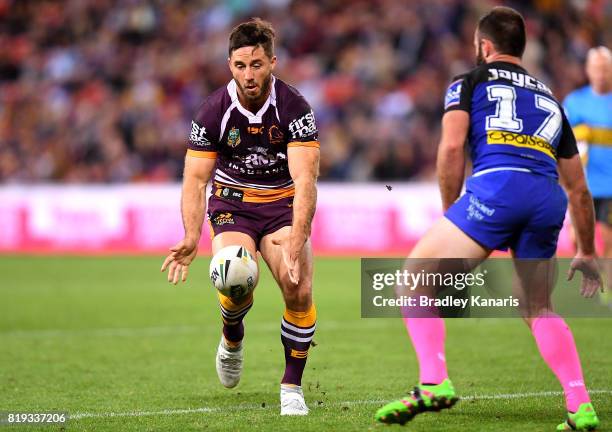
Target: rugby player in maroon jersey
{"x":258,"y":136}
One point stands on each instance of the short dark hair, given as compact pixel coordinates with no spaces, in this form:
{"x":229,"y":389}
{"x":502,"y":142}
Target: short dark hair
{"x":505,"y":27}
{"x":256,"y":32}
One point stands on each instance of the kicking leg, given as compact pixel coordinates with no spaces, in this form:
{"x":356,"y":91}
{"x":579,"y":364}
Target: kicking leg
{"x":229,"y":357}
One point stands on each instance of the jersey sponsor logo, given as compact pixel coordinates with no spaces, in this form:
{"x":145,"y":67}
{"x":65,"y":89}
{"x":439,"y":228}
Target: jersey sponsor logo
{"x":453,"y":94}
{"x":261,"y":157}
{"x":477,"y":210}
{"x":233,"y":137}
{"x":303,"y":126}
{"x":223,"y":219}
{"x":275,"y":135}
{"x":520,"y":140}
{"x":198,"y":135}
{"x":518,"y":79}
{"x":241,"y":169}
{"x":255,"y":130}
{"x":232,"y":194}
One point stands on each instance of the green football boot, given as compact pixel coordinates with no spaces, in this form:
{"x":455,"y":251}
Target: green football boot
{"x":585,"y":419}
{"x":422,"y":399}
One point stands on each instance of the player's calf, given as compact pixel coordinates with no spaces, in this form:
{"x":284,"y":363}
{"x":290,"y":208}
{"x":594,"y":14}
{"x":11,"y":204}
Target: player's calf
{"x":297,"y":331}
{"x":229,"y":357}
{"x":233,"y":312}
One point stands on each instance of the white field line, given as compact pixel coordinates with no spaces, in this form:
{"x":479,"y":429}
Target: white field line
{"x":252,"y":407}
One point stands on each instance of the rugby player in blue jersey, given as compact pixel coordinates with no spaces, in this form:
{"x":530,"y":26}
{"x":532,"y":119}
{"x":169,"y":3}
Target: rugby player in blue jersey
{"x":589,"y":111}
{"x":521,"y":146}
{"x":257,"y":138}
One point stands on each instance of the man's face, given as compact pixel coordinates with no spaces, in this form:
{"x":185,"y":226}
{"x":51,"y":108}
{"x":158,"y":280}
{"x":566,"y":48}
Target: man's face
{"x":599,"y":71}
{"x":252,"y":71}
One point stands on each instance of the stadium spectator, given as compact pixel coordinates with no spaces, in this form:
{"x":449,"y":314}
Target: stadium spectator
{"x":103,"y":91}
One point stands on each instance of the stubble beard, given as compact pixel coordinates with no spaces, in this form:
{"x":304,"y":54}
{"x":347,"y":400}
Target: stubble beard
{"x":261,"y":95}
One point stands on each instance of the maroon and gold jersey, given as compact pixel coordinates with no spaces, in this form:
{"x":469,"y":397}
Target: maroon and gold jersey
{"x":251,"y":148}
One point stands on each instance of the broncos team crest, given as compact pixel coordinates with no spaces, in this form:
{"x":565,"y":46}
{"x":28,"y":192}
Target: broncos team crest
{"x":233,"y":137}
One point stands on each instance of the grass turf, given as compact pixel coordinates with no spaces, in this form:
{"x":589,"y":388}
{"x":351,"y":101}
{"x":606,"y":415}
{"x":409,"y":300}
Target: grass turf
{"x":108,"y":339}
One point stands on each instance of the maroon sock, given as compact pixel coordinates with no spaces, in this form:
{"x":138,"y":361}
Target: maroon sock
{"x":232,"y":313}
{"x":297,"y":330}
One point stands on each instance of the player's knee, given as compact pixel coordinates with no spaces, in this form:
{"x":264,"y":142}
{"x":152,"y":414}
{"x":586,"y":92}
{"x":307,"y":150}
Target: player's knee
{"x":298,"y":297}
{"x":298,"y":302}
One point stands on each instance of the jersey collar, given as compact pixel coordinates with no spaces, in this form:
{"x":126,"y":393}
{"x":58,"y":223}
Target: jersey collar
{"x":505,"y":63}
{"x":232,"y":89}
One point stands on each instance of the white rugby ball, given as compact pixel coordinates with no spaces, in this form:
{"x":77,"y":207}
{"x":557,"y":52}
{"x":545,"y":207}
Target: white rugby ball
{"x":233,"y":271}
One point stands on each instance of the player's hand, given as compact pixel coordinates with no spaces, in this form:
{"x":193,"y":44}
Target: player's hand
{"x":177,"y":262}
{"x":591,"y":278}
{"x":291,"y":249}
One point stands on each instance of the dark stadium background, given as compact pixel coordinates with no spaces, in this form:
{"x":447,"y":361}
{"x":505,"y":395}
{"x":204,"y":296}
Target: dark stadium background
{"x":96,"y":98}
{"x":103,"y":91}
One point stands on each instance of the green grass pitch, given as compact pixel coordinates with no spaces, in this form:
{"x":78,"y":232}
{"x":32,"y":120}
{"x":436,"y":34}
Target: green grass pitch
{"x":109,"y":341}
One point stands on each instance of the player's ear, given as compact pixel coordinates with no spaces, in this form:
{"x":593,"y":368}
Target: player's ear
{"x":272,"y":62}
{"x":487,"y":47}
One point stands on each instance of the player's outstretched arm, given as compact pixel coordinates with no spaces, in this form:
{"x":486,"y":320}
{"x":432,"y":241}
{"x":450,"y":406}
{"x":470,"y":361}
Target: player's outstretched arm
{"x":582,"y":213}
{"x":451,"y":156}
{"x":304,"y":169}
{"x":196,"y":174}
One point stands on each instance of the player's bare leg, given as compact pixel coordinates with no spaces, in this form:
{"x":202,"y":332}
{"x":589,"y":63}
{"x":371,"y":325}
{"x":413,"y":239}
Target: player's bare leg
{"x":427,"y":332}
{"x":445,"y":240}
{"x":298,"y":322}
{"x":606,"y":236}
{"x":229,"y":357}
{"x":554,"y":339}
{"x":533,"y":287}
{"x":230,"y":238}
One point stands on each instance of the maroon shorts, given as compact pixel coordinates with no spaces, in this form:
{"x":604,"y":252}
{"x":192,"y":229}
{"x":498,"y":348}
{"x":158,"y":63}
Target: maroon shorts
{"x":254,"y":219}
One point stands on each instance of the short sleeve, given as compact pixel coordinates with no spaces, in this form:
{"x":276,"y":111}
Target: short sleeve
{"x":301,"y":124}
{"x":458,"y":95}
{"x":203,"y":138}
{"x":567,"y":144}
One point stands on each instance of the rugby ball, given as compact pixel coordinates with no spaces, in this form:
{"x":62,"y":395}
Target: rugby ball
{"x":233,"y":271}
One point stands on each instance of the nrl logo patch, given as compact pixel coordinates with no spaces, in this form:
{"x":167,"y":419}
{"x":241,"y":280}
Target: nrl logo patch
{"x":233,"y":137}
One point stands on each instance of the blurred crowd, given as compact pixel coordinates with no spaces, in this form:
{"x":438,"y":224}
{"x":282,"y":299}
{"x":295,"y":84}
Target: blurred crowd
{"x":104,"y":90}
